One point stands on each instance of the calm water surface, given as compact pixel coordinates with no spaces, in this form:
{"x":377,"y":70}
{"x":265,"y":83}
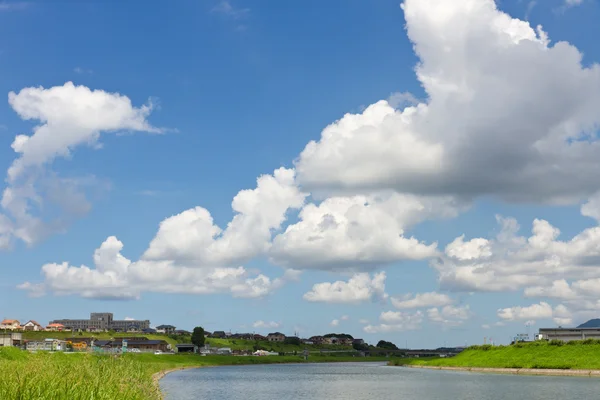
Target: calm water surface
{"x":366,"y":381}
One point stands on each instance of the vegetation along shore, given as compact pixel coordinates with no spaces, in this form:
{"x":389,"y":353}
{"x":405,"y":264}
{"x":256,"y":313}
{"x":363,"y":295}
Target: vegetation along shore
{"x":78,"y":376}
{"x":540,"y":355}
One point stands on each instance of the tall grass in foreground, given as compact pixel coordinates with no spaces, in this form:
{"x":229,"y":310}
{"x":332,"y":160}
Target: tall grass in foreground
{"x":57,"y":376}
{"x":79,"y":376}
{"x":536,"y":355}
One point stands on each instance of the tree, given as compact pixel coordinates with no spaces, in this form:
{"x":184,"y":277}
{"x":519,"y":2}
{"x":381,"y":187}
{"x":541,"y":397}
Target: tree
{"x":198,"y":336}
{"x":292,"y":340}
{"x":360,"y":346}
{"x":382,"y":344}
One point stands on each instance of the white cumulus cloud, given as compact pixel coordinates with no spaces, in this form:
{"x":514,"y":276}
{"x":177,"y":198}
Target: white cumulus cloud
{"x":396,"y":321}
{"x":508,"y":114}
{"x":359,"y":288}
{"x":422,"y":300}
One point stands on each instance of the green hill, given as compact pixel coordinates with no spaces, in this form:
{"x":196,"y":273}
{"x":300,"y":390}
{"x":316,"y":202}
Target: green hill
{"x":536,"y":355}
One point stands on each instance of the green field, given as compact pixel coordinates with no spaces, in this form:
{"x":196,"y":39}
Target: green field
{"x":78,"y":376}
{"x":535,"y":355}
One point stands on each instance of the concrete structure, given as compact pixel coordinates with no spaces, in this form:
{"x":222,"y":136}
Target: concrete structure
{"x":569,"y":334}
{"x":32,"y":326}
{"x":187,"y":348}
{"x":276,"y":337}
{"x":47,"y":345}
{"x":11,"y":339}
{"x":10,"y":325}
{"x":224,"y":351}
{"x":103,"y":322}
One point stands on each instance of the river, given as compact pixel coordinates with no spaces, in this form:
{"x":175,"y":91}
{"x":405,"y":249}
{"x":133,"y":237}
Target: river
{"x":365,"y":381}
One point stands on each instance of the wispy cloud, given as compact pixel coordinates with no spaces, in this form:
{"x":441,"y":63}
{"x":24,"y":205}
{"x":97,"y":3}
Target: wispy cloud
{"x":13,"y":5}
{"x":530,"y":6}
{"x":571,"y":3}
{"x":226,"y":8}
{"x":81,"y":71}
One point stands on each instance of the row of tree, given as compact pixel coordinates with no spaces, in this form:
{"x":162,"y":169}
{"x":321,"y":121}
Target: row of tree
{"x":199,"y":339}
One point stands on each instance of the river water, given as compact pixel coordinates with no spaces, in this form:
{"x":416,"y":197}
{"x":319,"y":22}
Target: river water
{"x":366,"y":381}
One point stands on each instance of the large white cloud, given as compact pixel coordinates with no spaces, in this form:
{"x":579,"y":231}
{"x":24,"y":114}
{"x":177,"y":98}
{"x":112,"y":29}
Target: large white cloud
{"x":360,"y":232}
{"x":422,"y":300}
{"x":359,"y":288}
{"x":396,"y":321}
{"x":116,"y":277}
{"x":511,"y":262}
{"x":69,"y":116}
{"x":192,"y":236}
{"x":507,"y":115}
{"x":560,"y":314}
{"x":449,"y":316}
{"x":189,"y":254}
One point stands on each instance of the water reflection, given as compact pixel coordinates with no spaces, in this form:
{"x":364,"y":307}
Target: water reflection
{"x":362,"y":381}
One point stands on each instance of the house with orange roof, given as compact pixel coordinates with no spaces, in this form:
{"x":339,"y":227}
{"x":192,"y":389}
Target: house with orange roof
{"x":10,"y":325}
{"x":55,"y":327}
{"x":32,"y":325}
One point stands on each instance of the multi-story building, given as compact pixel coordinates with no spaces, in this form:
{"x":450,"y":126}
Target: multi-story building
{"x":569,"y":334}
{"x":103,"y":322}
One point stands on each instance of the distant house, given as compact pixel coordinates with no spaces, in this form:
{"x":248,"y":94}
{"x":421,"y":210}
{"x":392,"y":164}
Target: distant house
{"x":166,"y":329}
{"x":224,"y":351}
{"x":142,"y":345}
{"x":358,"y":341}
{"x":345,"y":341}
{"x":307,"y":341}
{"x":331,"y":340}
{"x":259,"y":337}
{"x":219,"y":334}
{"x":32,"y":326}
{"x":148,"y":330}
{"x":317,"y":339}
{"x":276,"y":337}
{"x":182,"y":332}
{"x":55,"y":327}
{"x":10,"y":325}
{"x":243,"y":336}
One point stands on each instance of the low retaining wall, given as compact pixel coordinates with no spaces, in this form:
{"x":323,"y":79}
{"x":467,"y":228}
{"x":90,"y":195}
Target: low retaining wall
{"x":517,"y":371}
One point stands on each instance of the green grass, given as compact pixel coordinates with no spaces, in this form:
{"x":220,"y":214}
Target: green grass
{"x":75,"y":376}
{"x":536,"y":355}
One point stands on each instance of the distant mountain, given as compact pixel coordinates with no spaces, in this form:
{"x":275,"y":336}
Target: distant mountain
{"x":592,"y":323}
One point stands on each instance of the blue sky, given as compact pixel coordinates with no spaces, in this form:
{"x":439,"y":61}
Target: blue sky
{"x":236,"y":90}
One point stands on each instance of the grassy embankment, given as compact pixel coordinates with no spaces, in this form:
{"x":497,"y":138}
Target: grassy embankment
{"x":78,"y":376}
{"x":535,"y":355}
{"x":233,"y":344}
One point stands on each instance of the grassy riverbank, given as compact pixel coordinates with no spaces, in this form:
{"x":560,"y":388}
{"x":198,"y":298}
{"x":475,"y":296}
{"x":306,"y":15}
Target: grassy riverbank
{"x":77,"y":376}
{"x":536,"y":355}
